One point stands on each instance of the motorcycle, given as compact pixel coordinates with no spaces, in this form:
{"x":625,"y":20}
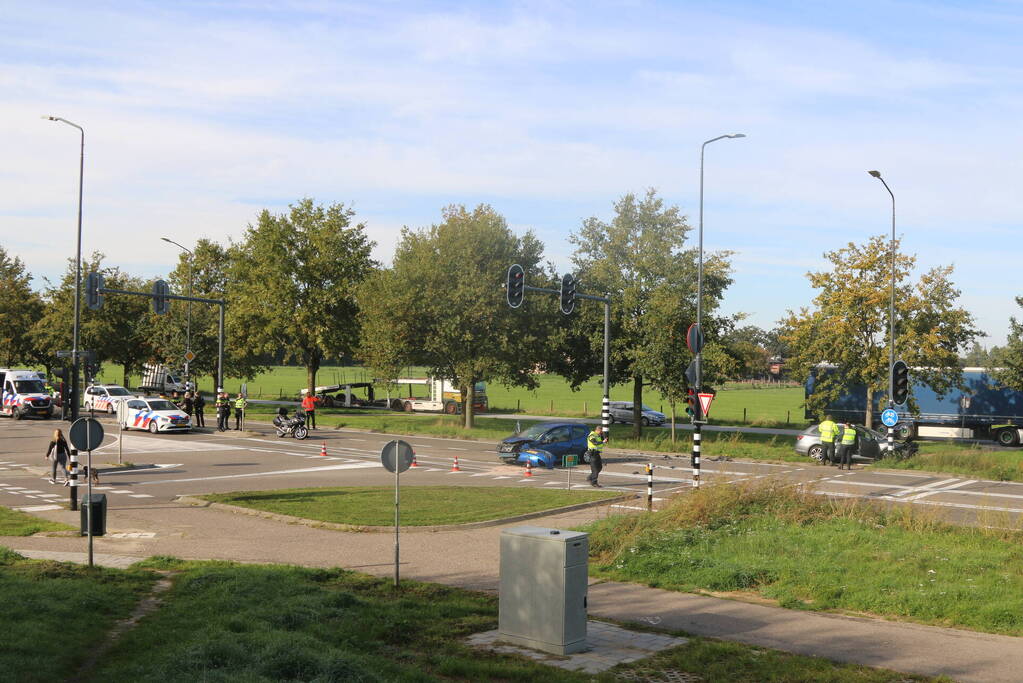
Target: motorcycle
{"x":290,"y":426}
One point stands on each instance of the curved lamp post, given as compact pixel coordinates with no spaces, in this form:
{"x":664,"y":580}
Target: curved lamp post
{"x":891,"y":317}
{"x":699,"y":316}
{"x":78,"y":271}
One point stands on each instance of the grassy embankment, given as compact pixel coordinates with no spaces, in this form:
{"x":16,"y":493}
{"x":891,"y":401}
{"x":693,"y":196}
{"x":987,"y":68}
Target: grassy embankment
{"x":221,"y":621}
{"x":900,"y":563}
{"x":421,"y":505}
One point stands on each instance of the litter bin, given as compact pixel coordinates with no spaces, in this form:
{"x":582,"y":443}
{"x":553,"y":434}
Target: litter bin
{"x":97,"y":504}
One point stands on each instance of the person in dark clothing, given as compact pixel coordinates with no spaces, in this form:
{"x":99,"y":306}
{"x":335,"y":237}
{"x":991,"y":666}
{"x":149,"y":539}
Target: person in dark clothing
{"x":199,"y":405}
{"x":187,"y":403}
{"x":223,"y":410}
{"x":61,"y":453}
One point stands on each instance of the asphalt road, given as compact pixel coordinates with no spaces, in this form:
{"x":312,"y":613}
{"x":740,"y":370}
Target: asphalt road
{"x":169,"y":465}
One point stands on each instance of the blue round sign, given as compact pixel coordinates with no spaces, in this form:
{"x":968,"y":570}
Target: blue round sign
{"x":889,"y":418}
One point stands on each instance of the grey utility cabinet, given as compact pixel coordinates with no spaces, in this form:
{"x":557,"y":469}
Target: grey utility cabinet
{"x":543,"y":588}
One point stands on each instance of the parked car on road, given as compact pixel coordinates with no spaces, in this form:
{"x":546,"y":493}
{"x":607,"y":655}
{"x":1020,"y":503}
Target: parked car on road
{"x":154,"y":414}
{"x":556,"y":438}
{"x":104,"y":397}
{"x":870,"y":445}
{"x":621,"y":411}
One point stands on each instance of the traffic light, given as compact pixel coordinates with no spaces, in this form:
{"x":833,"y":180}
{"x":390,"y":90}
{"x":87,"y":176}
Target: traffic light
{"x":93,"y":297}
{"x":692,"y":403}
{"x":161,"y":304}
{"x":568,"y":284}
{"x":900,"y":382}
{"x":516,"y":285}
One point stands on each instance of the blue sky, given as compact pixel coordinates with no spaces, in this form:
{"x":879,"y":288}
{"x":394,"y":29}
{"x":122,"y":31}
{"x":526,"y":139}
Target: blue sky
{"x":199,"y":114}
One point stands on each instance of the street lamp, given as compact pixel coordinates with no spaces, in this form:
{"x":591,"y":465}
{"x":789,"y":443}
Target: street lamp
{"x":78,"y":270}
{"x":188,"y":315}
{"x":891,"y":318}
{"x":699,"y":315}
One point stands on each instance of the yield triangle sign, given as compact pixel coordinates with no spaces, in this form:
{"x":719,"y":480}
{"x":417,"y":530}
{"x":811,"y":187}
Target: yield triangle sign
{"x":705,"y":400}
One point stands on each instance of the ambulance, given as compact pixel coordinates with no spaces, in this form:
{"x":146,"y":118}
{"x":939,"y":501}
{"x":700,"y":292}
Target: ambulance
{"x":24,"y":394}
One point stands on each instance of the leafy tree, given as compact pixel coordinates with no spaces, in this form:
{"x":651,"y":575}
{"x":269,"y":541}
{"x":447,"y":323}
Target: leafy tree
{"x":1009,"y":359}
{"x":747,"y":345}
{"x":441,"y":305}
{"x":119,"y":332}
{"x":293,"y":284}
{"x":848,"y":325}
{"x":20,"y":308}
{"x":641,"y":259}
{"x":211,"y":264}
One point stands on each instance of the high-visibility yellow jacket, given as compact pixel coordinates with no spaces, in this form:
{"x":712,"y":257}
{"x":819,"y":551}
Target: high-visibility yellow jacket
{"x":848,"y":435}
{"x":595,"y":442}
{"x":829,"y":430}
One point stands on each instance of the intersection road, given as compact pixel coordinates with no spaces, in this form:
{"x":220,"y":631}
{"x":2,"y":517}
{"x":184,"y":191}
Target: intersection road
{"x":169,"y":465}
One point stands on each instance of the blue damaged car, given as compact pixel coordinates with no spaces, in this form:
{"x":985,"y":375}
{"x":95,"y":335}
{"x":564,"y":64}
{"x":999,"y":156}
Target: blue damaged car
{"x":545,"y":444}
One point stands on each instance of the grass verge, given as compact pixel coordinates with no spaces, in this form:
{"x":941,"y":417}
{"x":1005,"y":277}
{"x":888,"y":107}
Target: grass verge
{"x":223,"y":622}
{"x":420,"y":505}
{"x":57,"y":613}
{"x":17,"y":523}
{"x":983,"y":463}
{"x":898,"y":563}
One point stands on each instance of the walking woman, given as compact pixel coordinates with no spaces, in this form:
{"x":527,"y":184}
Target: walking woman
{"x":61,"y":452}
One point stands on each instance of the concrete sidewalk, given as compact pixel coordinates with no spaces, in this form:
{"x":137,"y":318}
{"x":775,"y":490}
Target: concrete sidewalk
{"x":469,"y":559}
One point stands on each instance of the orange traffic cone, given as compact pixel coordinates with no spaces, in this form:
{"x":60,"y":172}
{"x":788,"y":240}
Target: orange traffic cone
{"x":323,"y":449}
{"x":414,"y":463}
{"x":529,"y":469}
{"x":455,"y":467}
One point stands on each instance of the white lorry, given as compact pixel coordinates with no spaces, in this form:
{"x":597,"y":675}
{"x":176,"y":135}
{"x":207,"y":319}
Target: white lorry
{"x":159,"y":379}
{"x":443,"y":396}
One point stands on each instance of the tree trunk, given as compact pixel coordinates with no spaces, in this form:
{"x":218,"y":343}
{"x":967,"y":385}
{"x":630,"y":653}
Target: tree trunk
{"x":637,"y":406}
{"x":311,"y":368}
{"x":469,"y":396}
{"x":870,"y":408}
{"x":674,"y":438}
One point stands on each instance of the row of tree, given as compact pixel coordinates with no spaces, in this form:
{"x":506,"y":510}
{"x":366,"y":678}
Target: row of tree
{"x":302,"y":286}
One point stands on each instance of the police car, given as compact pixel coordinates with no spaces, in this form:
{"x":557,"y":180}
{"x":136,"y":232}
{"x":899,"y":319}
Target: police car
{"x":104,"y":397}
{"x":154,"y":414}
{"x":24,"y":394}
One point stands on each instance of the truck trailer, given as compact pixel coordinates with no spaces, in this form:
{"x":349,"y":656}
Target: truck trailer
{"x":982,"y":408}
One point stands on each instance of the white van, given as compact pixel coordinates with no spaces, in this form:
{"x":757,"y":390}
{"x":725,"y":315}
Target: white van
{"x":25,"y":394}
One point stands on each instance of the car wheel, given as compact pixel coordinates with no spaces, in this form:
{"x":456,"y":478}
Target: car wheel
{"x":450,"y":407}
{"x":610,"y":419}
{"x":110,"y":409}
{"x":153,"y":427}
{"x":816,"y":452}
{"x":904,"y":430}
{"x":584,"y":459}
{"x":645,"y":422}
{"x":301,"y":432}
{"x":407,"y":407}
{"x":1007,"y":437}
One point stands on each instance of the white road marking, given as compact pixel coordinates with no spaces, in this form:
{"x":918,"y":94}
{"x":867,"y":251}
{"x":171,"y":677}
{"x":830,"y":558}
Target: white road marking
{"x":49,"y":495}
{"x":917,"y":489}
{"x":480,"y":474}
{"x":942,"y":490}
{"x":139,"y":495}
{"x":120,"y":491}
{"x":39,"y":508}
{"x":30,"y":491}
{"x":629,"y":507}
{"x":327,"y":468}
{"x":133,"y":534}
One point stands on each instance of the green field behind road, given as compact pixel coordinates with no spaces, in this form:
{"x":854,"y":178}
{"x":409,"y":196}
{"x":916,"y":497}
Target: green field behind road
{"x":768,"y":405}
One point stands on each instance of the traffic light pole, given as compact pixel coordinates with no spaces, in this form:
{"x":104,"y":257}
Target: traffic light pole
{"x":219,"y":302}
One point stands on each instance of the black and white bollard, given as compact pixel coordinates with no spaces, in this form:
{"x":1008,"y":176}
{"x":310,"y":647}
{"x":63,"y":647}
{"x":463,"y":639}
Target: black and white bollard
{"x":696,"y":456}
{"x":73,"y":478}
{"x":649,"y":487}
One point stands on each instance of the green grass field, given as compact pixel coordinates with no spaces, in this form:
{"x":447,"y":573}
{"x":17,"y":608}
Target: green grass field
{"x":899,"y":563}
{"x":762,"y":405}
{"x":221,"y":621}
{"x":15,"y":523}
{"x":420,"y":505}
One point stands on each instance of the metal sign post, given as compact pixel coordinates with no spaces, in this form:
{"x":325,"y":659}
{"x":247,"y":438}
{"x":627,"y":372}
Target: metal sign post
{"x":396,"y":456}
{"x":86,"y":434}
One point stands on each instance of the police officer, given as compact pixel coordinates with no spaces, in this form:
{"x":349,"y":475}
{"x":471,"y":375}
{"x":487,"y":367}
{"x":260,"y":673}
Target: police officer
{"x":845,"y":448}
{"x":239,"y":411}
{"x":223,"y":410}
{"x":595,"y":446}
{"x":828,"y":430}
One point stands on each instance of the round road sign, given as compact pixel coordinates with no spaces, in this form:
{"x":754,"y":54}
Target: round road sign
{"x":694,"y":338}
{"x":86,"y":434}
{"x":889,"y":418}
{"x":396,"y":455}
